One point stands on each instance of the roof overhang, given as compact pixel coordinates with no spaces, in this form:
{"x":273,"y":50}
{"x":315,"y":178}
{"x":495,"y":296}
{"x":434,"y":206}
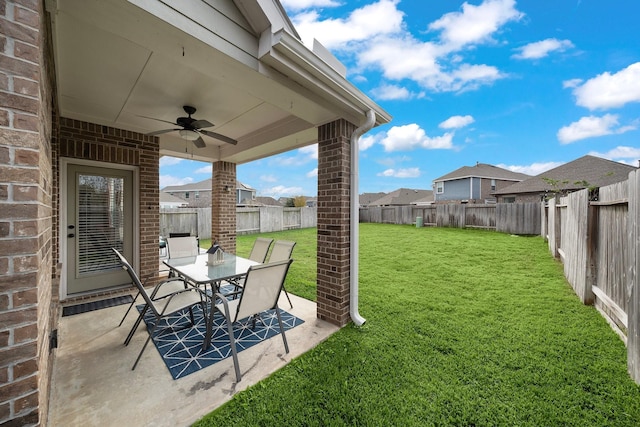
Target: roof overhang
{"x":125,"y":63}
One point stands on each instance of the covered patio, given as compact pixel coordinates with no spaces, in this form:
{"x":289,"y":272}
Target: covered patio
{"x":93,"y":383}
{"x":93,"y":86}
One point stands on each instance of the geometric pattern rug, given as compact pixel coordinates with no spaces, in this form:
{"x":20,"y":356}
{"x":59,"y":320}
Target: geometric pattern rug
{"x":180,"y":344}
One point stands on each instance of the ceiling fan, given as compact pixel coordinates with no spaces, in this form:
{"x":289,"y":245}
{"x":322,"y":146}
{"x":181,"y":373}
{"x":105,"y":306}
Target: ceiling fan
{"x":191,"y":129}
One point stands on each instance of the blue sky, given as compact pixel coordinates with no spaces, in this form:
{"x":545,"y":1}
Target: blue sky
{"x":525,"y":85}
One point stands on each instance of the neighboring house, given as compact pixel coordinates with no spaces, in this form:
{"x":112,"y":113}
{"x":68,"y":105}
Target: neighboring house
{"x":474,"y":184}
{"x":198,"y":194}
{"x":267,"y":201}
{"x":169,"y":201}
{"x":584,"y":172}
{"x":402,"y":197}
{"x":366,"y":199}
{"x":312,"y":202}
{"x":92,"y":94}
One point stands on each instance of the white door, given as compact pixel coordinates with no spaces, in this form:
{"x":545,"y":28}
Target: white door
{"x":99,"y":217}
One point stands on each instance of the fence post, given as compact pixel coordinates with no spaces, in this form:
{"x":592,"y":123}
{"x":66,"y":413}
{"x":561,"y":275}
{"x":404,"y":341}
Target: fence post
{"x":633,"y":282}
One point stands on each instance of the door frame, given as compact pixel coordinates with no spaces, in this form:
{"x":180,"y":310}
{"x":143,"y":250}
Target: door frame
{"x":62,"y":212}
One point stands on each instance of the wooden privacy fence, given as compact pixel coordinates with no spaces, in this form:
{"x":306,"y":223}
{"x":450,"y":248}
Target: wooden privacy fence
{"x":513,"y":218}
{"x":598,"y":242}
{"x":263,"y":219}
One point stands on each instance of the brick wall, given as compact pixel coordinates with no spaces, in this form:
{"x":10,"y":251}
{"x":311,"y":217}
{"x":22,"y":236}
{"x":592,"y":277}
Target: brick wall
{"x":27,"y":301}
{"x":334,"y":186}
{"x":88,"y":141}
{"x":223,"y":212}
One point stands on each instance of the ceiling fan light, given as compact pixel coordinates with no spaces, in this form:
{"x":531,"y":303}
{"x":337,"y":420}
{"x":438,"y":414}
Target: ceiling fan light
{"x":189,"y":135}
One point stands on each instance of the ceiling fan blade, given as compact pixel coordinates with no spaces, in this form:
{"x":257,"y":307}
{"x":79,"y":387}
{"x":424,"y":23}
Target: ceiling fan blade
{"x":199,"y":143}
{"x":160,"y":132}
{"x":220,"y":137}
{"x":159,"y":120}
{"x":199,"y":124}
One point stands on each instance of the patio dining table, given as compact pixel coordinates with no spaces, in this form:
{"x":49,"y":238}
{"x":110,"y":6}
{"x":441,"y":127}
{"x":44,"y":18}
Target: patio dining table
{"x":199,"y":272}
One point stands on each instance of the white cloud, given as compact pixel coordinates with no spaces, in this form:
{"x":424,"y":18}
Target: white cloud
{"x":311,"y":151}
{"x":456,"y":122}
{"x":205,"y":169}
{"x":367,"y":141}
{"x":376,"y":35}
{"x":168,"y":180}
{"x":282,"y":191}
{"x":392,"y":92}
{"x":411,"y":136}
{"x":401,"y":173}
{"x":364,"y":23}
{"x":568,"y":84}
{"x":306,"y":4}
{"x":312,"y":173}
{"x":624,"y":154}
{"x":268,"y":178}
{"x":610,"y":90}
{"x":591,"y":126}
{"x":542,"y":48}
{"x":475,"y":24}
{"x":532,"y":169}
{"x":169,"y":161}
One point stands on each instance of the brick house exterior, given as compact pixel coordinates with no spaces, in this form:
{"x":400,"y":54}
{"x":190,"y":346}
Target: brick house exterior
{"x":35,"y":140}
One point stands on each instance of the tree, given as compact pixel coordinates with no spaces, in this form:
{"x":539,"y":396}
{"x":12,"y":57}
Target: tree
{"x":300,"y":201}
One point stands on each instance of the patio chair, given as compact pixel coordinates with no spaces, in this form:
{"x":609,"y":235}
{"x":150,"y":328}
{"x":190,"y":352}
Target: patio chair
{"x":182,"y":247}
{"x":176,"y":247}
{"x":260,"y":249}
{"x":162,"y":303}
{"x":282,"y":250}
{"x":258,"y":253}
{"x":262,"y":287}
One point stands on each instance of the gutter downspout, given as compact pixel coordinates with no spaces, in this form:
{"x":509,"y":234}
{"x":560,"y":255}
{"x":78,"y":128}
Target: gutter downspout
{"x":355,"y":218}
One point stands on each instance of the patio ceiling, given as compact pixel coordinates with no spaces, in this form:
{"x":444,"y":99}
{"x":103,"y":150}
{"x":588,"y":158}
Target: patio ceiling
{"x":117,"y":64}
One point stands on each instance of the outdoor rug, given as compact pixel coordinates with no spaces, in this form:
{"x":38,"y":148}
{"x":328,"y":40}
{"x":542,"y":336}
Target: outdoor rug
{"x":96,"y":305}
{"x":180,"y":345}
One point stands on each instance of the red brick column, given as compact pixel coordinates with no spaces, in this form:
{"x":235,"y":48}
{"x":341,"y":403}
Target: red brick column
{"x":27,"y":307}
{"x":223,"y":205}
{"x":334,"y":189}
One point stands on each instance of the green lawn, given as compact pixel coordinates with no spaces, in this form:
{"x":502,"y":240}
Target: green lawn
{"x":464,"y":328}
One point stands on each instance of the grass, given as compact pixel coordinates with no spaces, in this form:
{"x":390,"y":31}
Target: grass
{"x":301,"y":279}
{"x":464,"y":328}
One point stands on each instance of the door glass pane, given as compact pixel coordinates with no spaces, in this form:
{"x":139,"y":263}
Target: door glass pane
{"x":100,"y":222}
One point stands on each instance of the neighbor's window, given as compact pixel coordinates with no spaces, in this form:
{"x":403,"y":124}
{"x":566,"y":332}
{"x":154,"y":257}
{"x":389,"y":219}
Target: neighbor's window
{"x":440,"y":187}
{"x":509,"y":199}
{"x":493,"y":185}
{"x":197,"y":194}
{"x":186,"y":195}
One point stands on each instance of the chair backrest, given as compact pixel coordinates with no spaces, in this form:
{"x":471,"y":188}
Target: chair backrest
{"x":260,"y":249}
{"x":134,"y":277}
{"x":282,"y":250}
{"x":262,"y":288}
{"x":182,"y":247}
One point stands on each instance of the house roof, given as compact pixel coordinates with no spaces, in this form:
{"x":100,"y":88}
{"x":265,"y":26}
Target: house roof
{"x":267,"y":201}
{"x":367,"y":199}
{"x":581,"y":173}
{"x":240,"y":63}
{"x":166,"y":198}
{"x":483,"y":170}
{"x":402,"y":196}
{"x":204,"y":185}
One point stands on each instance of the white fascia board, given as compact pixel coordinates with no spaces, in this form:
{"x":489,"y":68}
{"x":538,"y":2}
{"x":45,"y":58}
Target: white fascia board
{"x":289,"y":56}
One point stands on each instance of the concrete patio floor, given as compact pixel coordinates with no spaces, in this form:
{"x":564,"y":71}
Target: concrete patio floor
{"x":93,"y":383}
